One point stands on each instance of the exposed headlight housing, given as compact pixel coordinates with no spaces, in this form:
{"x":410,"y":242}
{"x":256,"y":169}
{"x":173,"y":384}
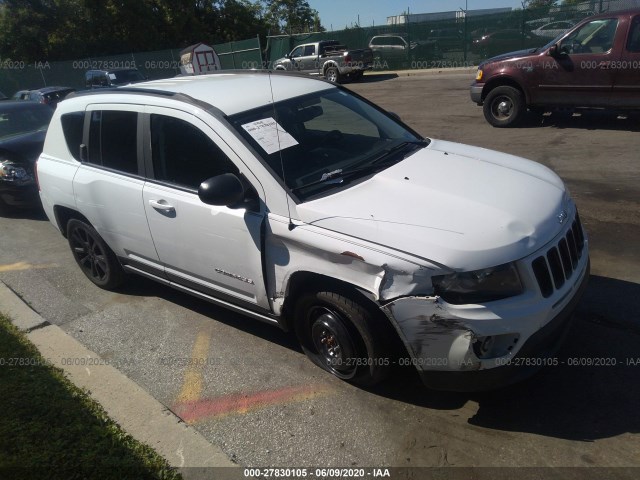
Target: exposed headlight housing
{"x":14,"y":172}
{"x":479,"y":286}
{"x":479,"y":74}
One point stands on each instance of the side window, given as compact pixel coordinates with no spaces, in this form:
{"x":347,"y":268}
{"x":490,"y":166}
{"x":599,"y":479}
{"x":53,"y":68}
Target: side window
{"x":297,"y":52}
{"x":633,"y":43}
{"x":593,"y":37}
{"x":72,"y":125}
{"x":113,"y":140}
{"x":184,"y":155}
{"x":309,"y":50}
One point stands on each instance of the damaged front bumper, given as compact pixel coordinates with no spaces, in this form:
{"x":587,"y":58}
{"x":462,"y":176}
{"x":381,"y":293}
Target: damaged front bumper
{"x":473,"y":347}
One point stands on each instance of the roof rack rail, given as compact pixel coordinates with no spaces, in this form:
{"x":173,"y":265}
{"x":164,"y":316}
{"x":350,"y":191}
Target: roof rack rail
{"x":183,"y":97}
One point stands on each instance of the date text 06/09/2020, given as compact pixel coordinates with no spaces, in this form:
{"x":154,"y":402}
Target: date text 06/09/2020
{"x":320,"y":473}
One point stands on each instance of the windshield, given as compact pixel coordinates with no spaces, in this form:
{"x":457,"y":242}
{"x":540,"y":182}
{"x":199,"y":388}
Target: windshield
{"x":324,"y":140}
{"x":17,"y":121}
{"x":554,"y":41}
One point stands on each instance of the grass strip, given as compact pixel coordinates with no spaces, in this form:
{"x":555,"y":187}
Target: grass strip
{"x":49,"y":428}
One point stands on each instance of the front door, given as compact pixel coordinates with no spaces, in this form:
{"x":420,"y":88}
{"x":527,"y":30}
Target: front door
{"x":581,"y":73}
{"x":626,"y":88}
{"x":212,"y":249}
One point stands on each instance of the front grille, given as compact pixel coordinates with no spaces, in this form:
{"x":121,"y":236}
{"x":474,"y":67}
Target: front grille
{"x":557,"y":265}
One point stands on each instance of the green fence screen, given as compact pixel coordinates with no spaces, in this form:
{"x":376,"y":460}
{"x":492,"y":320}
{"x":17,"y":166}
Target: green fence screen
{"x":454,"y":39}
{"x":15,"y":75}
{"x":414,"y":41}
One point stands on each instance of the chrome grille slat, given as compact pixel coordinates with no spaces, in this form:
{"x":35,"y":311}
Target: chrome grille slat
{"x":558,"y":264}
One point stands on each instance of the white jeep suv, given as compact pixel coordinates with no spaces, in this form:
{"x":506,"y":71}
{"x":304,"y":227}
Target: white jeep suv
{"x":299,"y":203}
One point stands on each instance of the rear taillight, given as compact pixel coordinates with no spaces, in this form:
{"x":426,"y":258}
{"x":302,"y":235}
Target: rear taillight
{"x":35,"y":174}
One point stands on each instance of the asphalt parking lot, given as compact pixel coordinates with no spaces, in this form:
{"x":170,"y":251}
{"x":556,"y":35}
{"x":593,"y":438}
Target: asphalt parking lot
{"x":248,"y":388}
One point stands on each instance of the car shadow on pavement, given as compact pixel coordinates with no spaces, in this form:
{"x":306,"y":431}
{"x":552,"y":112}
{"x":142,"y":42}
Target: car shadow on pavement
{"x":24,"y":213}
{"x":592,"y":393}
{"x":585,"y":120}
{"x":143,"y":287}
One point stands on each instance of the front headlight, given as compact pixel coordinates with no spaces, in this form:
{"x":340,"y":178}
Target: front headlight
{"x":14,"y":172}
{"x":479,"y":74}
{"x":479,"y":286}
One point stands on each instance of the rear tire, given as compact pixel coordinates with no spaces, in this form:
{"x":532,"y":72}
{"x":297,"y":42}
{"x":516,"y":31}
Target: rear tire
{"x":504,"y":107}
{"x":333,"y":75}
{"x":94,"y":257}
{"x":343,"y":337}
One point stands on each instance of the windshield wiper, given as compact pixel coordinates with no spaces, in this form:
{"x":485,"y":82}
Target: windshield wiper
{"x":338,"y":176}
{"x":388,"y":151}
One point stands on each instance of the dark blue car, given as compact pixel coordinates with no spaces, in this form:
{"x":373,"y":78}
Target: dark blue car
{"x":23,"y":126}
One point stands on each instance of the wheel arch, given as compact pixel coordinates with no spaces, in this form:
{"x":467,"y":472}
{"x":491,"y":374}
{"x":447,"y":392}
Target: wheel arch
{"x":303,"y":281}
{"x":504,"y":81}
{"x":328,"y":64}
{"x":64,"y":214}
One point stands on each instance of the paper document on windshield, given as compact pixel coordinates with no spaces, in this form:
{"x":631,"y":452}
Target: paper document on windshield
{"x":270,"y":135}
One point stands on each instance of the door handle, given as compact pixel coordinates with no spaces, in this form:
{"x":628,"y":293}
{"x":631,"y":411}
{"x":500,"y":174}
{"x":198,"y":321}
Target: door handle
{"x":159,"y":205}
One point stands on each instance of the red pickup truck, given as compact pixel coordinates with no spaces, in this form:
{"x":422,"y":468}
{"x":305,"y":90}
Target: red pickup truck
{"x":595,"y":64}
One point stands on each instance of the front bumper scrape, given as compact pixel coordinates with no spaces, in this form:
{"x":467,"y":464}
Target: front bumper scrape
{"x":442,"y":348}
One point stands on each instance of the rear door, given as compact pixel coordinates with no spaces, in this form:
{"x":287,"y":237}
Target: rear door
{"x":581,"y":74}
{"x":308,"y":62}
{"x":626,"y":89}
{"x":108,"y":184}
{"x":215,"y":250}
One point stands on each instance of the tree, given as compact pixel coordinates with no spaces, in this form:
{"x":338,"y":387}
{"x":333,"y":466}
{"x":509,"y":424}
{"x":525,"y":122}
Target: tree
{"x":532,"y":4}
{"x":239,"y":20}
{"x":47,"y":30}
{"x":291,"y":16}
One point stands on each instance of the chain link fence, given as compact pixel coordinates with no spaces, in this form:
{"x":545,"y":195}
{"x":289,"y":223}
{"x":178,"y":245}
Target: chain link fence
{"x":419,"y":41}
{"x":18,"y":75}
{"x":453,"y":39}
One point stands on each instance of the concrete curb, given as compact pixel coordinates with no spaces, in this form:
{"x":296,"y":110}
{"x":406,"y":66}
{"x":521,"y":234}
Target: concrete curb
{"x":428,"y":71}
{"x":137,"y":412}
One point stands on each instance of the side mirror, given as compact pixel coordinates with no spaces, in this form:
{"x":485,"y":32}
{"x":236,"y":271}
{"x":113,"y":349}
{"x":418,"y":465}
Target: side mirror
{"x":556,"y":51}
{"x":222,"y":190}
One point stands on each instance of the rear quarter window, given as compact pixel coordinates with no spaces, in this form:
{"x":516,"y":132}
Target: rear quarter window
{"x":72,"y":127}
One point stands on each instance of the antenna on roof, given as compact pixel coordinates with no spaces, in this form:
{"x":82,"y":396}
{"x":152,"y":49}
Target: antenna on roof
{"x":284,"y":179}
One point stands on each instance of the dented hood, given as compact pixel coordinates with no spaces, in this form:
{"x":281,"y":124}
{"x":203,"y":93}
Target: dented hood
{"x":459,"y":206}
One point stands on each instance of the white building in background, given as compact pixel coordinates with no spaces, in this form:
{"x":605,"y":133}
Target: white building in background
{"x":594,"y":6}
{"x":433,"y":17}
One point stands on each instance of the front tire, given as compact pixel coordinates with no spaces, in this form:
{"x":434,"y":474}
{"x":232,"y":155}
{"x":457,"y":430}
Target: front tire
{"x":94,"y":257}
{"x":504,"y":107}
{"x":342,"y":337}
